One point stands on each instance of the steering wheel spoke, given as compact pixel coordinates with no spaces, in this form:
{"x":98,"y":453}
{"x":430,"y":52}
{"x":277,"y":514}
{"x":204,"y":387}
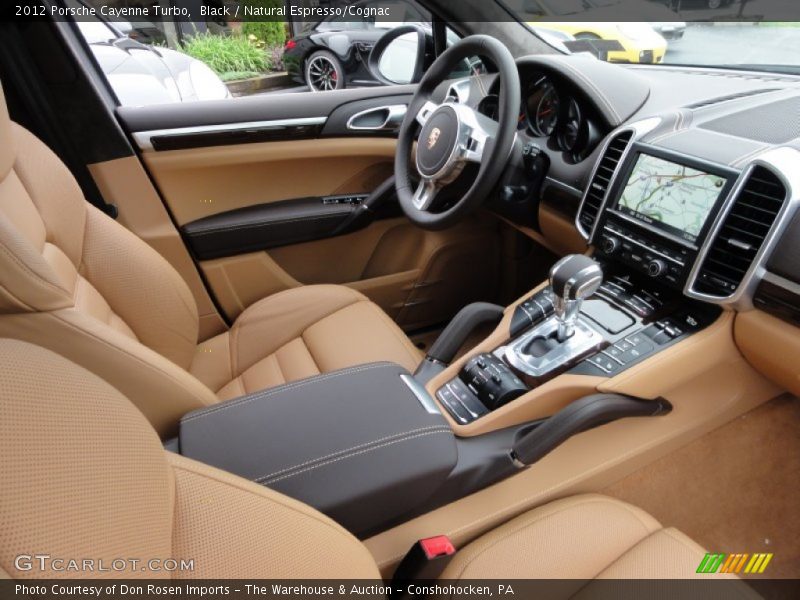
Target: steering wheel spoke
{"x":425,"y":112}
{"x":482,"y":130}
{"x":425,"y":194}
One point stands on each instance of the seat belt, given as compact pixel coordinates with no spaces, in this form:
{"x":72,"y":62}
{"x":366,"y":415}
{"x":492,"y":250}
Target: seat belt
{"x":426,"y":561}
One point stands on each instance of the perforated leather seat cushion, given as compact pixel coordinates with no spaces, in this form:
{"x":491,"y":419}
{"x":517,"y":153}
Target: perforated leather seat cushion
{"x":300,"y":333}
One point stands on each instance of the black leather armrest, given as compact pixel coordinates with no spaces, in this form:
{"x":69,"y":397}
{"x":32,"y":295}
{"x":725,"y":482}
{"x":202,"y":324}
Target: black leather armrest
{"x":270,"y":225}
{"x":360,"y":444}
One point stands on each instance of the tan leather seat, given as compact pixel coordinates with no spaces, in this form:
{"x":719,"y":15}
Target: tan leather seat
{"x":84,"y":476}
{"x":75,"y":281}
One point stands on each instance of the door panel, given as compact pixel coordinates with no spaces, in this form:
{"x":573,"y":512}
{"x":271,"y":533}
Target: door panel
{"x":244,"y":176}
{"x":201,"y":182}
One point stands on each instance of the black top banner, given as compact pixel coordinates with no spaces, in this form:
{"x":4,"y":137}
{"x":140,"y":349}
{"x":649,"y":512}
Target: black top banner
{"x":403,"y":11}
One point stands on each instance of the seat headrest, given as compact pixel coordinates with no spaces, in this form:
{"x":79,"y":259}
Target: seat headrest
{"x":7,"y":150}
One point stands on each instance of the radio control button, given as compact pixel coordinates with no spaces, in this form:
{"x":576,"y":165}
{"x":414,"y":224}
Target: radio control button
{"x":656,"y":267}
{"x":609,"y":244}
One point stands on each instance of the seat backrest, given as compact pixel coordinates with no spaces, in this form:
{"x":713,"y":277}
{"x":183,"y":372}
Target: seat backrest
{"x":85,"y":477}
{"x":76,"y":281}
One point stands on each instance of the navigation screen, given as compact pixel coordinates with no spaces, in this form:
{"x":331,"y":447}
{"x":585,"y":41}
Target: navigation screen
{"x":669,"y":196}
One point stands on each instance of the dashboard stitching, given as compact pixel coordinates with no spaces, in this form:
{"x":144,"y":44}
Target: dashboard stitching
{"x":750,"y":155}
{"x":676,"y":124}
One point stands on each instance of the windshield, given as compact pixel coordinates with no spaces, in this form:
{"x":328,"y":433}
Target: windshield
{"x":719,"y":33}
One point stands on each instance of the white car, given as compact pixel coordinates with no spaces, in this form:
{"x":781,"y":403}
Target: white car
{"x":672,"y":31}
{"x":141,"y":74}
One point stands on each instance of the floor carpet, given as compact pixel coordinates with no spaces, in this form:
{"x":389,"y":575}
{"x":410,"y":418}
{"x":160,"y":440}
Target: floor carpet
{"x":735,"y":490}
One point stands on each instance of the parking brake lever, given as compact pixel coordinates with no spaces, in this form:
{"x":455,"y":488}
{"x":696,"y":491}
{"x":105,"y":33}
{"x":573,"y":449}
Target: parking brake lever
{"x":581,"y":415}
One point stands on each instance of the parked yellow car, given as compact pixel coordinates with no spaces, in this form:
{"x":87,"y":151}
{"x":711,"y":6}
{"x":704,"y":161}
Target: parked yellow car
{"x":641,"y":43}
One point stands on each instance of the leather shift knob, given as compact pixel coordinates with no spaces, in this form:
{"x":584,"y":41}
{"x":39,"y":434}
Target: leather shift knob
{"x":575,"y":277}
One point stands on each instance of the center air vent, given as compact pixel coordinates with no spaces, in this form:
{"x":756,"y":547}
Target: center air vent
{"x":741,"y":234}
{"x":590,"y":209}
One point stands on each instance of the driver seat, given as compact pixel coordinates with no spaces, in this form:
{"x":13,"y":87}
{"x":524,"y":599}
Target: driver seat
{"x":84,"y":476}
{"x":79,"y":283}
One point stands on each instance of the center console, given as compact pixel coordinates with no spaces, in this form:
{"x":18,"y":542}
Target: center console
{"x":578,"y":324}
{"x":676,"y":237}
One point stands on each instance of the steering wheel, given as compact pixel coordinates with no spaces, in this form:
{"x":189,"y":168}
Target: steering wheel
{"x":451,"y":135}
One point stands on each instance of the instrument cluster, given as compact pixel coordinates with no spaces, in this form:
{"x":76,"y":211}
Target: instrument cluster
{"x":552,"y":113}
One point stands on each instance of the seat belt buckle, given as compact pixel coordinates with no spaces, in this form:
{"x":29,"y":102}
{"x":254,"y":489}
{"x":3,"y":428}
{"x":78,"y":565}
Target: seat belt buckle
{"x":437,"y":547}
{"x":426,"y":560}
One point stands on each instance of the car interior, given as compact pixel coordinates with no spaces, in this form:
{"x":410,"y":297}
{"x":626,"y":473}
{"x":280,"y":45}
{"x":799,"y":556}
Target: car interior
{"x":291,"y":335}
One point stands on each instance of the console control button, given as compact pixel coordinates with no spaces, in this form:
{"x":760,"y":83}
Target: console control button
{"x":604,"y":363}
{"x":609,"y":244}
{"x":658,"y":335}
{"x":656,"y":267}
{"x":623,"y":345}
{"x":531,"y":311}
{"x":638,"y":306}
{"x":492,"y":381}
{"x":460,"y":402}
{"x":615,"y":352}
{"x":637,"y":339}
{"x":637,"y":352}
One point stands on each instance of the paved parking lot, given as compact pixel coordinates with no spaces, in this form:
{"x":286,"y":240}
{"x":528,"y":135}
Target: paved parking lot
{"x":736,"y":44}
{"x":720,"y":45}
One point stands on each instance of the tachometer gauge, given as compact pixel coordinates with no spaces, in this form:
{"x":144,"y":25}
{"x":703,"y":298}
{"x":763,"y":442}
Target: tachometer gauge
{"x":543,"y":108}
{"x":490,"y":107}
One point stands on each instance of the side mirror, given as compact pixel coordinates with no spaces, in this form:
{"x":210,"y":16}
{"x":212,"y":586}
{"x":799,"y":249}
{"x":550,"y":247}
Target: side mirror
{"x":399,"y":56}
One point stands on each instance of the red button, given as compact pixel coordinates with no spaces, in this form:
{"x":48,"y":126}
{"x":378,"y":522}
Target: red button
{"x":435,"y":547}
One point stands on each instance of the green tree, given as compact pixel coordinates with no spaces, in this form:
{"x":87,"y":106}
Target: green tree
{"x":272,"y":33}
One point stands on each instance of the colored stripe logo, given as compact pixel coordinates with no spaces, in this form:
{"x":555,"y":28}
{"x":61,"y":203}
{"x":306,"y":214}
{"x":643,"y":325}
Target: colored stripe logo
{"x":734,"y":563}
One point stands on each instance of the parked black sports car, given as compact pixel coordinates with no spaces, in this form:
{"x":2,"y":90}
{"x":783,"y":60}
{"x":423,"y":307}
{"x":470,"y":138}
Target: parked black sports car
{"x":332,"y":54}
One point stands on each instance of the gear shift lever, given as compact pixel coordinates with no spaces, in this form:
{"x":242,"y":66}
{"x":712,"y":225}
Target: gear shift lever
{"x":572,"y":279}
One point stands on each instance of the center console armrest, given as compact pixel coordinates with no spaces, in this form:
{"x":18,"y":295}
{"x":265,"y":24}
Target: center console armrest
{"x":364,"y":445}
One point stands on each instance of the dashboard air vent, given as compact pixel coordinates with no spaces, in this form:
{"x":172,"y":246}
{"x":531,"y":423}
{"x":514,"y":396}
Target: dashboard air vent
{"x":601,"y":180}
{"x":741,"y":234}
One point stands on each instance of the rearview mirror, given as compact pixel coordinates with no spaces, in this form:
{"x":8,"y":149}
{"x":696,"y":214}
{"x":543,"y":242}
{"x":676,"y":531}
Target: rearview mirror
{"x":399,"y":55}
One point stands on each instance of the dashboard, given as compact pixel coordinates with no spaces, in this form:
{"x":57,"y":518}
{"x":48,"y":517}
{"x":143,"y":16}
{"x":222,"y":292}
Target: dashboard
{"x":689,"y":176}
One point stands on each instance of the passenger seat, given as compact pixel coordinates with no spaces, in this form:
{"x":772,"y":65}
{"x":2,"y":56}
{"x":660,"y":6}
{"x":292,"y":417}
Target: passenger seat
{"x":77,"y":282}
{"x":84,"y":476}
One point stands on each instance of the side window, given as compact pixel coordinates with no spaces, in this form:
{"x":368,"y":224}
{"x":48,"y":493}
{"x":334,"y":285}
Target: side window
{"x":173,"y":61}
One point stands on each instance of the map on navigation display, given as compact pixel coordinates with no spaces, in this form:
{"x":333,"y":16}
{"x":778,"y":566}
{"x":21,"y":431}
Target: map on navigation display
{"x":671,"y":196}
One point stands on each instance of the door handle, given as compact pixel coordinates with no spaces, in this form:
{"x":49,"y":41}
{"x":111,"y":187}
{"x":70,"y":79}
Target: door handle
{"x":382,"y":118}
